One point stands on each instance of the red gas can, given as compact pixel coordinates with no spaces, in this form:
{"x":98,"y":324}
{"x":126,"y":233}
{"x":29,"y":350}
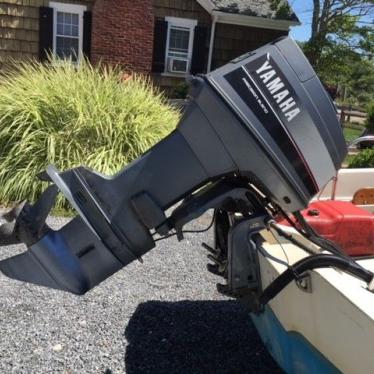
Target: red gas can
{"x":348,"y":225}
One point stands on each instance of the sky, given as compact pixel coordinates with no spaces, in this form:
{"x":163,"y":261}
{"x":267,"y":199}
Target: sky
{"x":302,"y":8}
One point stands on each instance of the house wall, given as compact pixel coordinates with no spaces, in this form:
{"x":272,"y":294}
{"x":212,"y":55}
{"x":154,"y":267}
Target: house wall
{"x":19,"y":27}
{"x":122,"y":33}
{"x":183,"y":9}
{"x":232,"y":41}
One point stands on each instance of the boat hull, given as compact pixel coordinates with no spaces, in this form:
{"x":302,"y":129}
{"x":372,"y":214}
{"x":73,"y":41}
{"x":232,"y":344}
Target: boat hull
{"x":336,"y":317}
{"x":293,"y":353}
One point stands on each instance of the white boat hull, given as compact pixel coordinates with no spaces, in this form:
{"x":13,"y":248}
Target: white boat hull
{"x":336,"y":317}
{"x":330,"y":328}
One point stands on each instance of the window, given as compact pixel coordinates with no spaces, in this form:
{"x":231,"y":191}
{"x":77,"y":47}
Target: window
{"x":68,"y":30}
{"x":179,"y":45}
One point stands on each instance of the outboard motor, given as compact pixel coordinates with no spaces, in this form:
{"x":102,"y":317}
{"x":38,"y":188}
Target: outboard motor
{"x":259,"y":136}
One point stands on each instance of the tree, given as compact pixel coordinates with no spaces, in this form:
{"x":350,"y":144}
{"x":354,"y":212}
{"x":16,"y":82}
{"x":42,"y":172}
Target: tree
{"x":342,"y":33}
{"x":360,"y":82}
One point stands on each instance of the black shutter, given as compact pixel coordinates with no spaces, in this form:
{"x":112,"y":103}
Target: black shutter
{"x":87,"y":31}
{"x":45,"y":32}
{"x":198,"y":64}
{"x":159,"y":46}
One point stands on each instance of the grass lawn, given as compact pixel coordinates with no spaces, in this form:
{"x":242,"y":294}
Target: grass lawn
{"x":350,"y":133}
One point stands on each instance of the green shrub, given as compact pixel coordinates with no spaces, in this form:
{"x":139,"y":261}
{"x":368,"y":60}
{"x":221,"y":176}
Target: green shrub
{"x":370,"y":118}
{"x":181,"y":91}
{"x":68,"y":116}
{"x":365,"y":159}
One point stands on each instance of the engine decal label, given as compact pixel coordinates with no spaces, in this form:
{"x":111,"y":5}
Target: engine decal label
{"x":267,"y":93}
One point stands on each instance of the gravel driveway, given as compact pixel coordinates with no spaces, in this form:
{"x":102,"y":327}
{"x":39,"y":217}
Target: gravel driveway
{"x":163,"y":316}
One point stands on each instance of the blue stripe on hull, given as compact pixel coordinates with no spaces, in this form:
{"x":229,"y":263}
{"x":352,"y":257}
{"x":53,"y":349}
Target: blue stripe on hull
{"x":293,"y":353}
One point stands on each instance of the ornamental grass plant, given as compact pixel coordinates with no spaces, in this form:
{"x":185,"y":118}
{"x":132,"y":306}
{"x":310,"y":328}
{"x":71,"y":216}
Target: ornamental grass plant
{"x":70,"y":115}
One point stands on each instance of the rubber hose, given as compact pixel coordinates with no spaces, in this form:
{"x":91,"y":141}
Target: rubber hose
{"x":310,"y":263}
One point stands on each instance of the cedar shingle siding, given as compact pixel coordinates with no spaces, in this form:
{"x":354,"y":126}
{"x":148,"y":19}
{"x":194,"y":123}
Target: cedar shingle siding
{"x":181,"y":8}
{"x":19,"y":27}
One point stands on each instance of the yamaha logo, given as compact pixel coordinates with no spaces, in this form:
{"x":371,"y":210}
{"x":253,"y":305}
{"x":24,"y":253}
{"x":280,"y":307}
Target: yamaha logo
{"x":277,"y":89}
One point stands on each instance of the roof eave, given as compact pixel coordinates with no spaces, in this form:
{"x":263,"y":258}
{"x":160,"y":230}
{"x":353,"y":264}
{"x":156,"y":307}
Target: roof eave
{"x":252,"y":21}
{"x":244,"y":20}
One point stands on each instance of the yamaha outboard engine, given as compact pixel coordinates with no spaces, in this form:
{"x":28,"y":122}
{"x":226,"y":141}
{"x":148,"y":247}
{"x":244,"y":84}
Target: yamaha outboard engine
{"x":259,"y":135}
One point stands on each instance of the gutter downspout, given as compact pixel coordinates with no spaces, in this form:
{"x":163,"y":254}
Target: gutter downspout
{"x":211,"y":43}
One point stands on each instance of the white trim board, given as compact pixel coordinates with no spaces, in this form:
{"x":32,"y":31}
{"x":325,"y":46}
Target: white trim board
{"x":251,"y":21}
{"x":183,"y":22}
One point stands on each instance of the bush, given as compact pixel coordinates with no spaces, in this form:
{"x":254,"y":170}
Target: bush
{"x":370,"y":118}
{"x":68,"y":116}
{"x":181,"y":91}
{"x":365,"y":159}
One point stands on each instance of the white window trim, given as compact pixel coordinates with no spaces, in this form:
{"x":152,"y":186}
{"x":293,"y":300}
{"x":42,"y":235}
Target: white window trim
{"x":180,"y":22}
{"x":68,"y":8}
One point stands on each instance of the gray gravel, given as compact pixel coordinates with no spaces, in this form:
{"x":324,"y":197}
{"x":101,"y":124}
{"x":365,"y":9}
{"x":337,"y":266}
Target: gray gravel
{"x":163,"y":316}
